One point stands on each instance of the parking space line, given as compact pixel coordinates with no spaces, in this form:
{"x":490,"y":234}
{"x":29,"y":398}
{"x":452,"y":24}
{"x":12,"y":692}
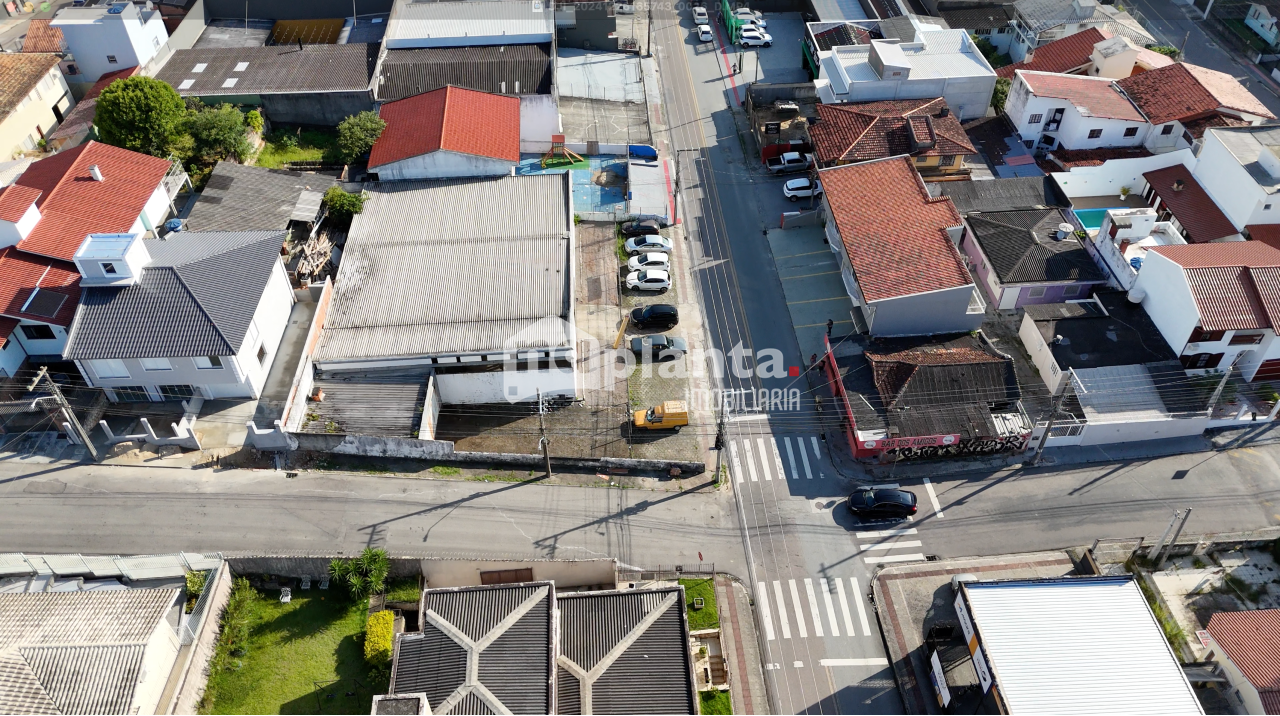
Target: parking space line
{"x":733,"y":456}
{"x":764,"y":610}
{"x":933,"y":497}
{"x":862,"y":610}
{"x":831,"y":609}
{"x":777,"y":459}
{"x":751,"y":463}
{"x":791,"y":458}
{"x":795,"y":599}
{"x":782,"y":610}
{"x":844,"y":608}
{"x":764,"y":460}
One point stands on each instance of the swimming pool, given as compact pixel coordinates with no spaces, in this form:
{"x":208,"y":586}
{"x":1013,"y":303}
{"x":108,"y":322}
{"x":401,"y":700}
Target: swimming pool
{"x":1092,"y":218}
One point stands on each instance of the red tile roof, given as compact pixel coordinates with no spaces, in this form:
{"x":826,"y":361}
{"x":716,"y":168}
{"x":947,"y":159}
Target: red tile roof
{"x":1235,"y":284}
{"x":1062,"y":55}
{"x":1185,"y":92}
{"x":21,"y":274}
{"x":1268,"y":234}
{"x":1097,"y":96}
{"x":6,"y":329}
{"x":42,"y":37}
{"x":1197,"y":127}
{"x":453,"y":119}
{"x":20,"y":72}
{"x":875,"y":130}
{"x":894,"y":233}
{"x":15,"y":200}
{"x":72,"y":204}
{"x":1252,"y":642}
{"x":1202,"y":221}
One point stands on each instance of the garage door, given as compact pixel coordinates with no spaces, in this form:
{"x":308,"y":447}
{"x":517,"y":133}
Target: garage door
{"x":1269,"y":370}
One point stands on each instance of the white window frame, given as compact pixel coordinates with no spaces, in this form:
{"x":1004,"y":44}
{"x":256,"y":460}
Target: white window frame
{"x":153,"y":365}
{"x":109,"y":368}
{"x":206,"y":362}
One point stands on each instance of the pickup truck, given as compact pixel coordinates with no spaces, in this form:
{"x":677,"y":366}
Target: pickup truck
{"x":789,"y":162}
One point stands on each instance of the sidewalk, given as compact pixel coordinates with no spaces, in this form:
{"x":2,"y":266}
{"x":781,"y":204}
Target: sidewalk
{"x":741,"y":644}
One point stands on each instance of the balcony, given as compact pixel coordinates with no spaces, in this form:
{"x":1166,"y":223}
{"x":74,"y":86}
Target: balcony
{"x":976,"y":304}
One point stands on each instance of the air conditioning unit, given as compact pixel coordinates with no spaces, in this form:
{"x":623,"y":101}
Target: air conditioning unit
{"x":1193,"y":346}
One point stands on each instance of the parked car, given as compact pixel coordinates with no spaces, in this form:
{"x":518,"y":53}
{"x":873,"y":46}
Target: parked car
{"x":700,"y":16}
{"x":641,"y":227}
{"x":789,"y":162}
{"x":802,"y":187}
{"x":658,"y":315}
{"x":746,"y":14}
{"x":659,"y":347}
{"x":649,"y":280}
{"x":654,"y":260}
{"x":704,"y":33}
{"x":671,"y":415}
{"x":750,"y":37}
{"x":882,"y":503}
{"x":637,"y":245}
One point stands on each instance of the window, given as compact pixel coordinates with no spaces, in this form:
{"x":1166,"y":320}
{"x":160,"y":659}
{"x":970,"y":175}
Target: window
{"x":241,"y":66}
{"x":176,"y":392}
{"x":1166,"y":129}
{"x":230,"y":82}
{"x":110,"y":368}
{"x":1245,"y":339}
{"x":208,"y":362}
{"x":186,"y":84}
{"x":1037,"y":292}
{"x":262,"y":355}
{"x":156,"y":364}
{"x":39,"y":332}
{"x":73,"y":70}
{"x":111,"y":59}
{"x":947,"y":161}
{"x":108,"y":268}
{"x":155,"y":42}
{"x":1186,"y":137}
{"x":1035,"y":119}
{"x":922,"y":160}
{"x":1095,"y":133}
{"x":1131,"y":132}
{"x":200,"y":67}
{"x":1266,"y":207}
{"x":131,"y":394}
{"x":1003,"y":31}
{"x":1071,"y":292}
{"x":982,"y":31}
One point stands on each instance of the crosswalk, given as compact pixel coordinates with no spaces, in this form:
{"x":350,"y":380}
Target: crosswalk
{"x":761,"y":459}
{"x":817,"y":606}
{"x":876,"y":546}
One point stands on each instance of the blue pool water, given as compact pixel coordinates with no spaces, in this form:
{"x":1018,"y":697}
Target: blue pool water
{"x":1092,"y":218}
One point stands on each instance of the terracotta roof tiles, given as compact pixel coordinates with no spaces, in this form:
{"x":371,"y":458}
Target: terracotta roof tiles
{"x":42,"y":37}
{"x":1252,"y":642}
{"x":875,"y":130}
{"x":1268,"y":234}
{"x":20,"y":72}
{"x":21,"y":274}
{"x":15,"y":200}
{"x":1092,"y":96}
{"x":1062,"y":55}
{"x":1185,"y":92}
{"x":1235,"y":284}
{"x":453,"y":119}
{"x":1202,"y":221}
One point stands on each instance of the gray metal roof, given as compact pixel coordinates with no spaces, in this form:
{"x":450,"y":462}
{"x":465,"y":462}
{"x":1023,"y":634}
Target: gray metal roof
{"x":241,"y":198}
{"x":1040,"y":15}
{"x":444,"y":24}
{"x":196,"y":298}
{"x":454,"y":267}
{"x":505,"y":630}
{"x":404,"y":73}
{"x":624,"y":652}
{"x":279,"y":69}
{"x":1001,"y":194}
{"x":76,"y":652}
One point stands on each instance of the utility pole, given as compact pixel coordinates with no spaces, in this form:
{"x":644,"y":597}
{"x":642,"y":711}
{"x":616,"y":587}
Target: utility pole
{"x":648,"y":45}
{"x":354,"y":18}
{"x":69,"y":416}
{"x":1222,"y":384}
{"x":675,"y":208}
{"x":1176,"y":533}
{"x":1155,"y":552}
{"x":1053,"y":416}
{"x":721,"y":439}
{"x":1182,"y":50}
{"x":542,"y":427}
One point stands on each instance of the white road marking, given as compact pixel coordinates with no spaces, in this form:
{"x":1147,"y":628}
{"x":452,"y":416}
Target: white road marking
{"x":764,"y":610}
{"x":844,"y":608}
{"x":777,"y":459}
{"x":857,"y":602}
{"x":891,"y":545}
{"x":817,"y":455}
{"x":737,"y":466}
{"x":795,"y":475}
{"x":764,"y":460}
{"x":782,"y":610}
{"x":831,"y":610}
{"x":913,"y":557}
{"x":804,"y":457}
{"x":813,"y":607}
{"x":886,"y":533}
{"x":795,"y":599}
{"x":933,"y":497}
{"x":798,"y":664}
{"x":751,"y":463}
{"x":853,"y":662}
{"x":740,"y":418}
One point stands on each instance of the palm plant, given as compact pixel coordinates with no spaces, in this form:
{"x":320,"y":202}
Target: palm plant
{"x":363,"y":575}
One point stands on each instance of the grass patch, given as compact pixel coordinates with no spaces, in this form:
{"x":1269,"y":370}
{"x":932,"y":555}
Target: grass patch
{"x":1172,"y":630}
{"x":313,"y":145}
{"x":1246,"y":33}
{"x":446,"y":470}
{"x":404,"y":590}
{"x":707,"y":617}
{"x":498,"y":477}
{"x":293,"y":653}
{"x":715,"y":702}
{"x":623,"y":256}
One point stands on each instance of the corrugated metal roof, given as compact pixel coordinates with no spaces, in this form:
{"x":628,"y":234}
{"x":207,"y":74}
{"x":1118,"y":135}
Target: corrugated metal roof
{"x":87,"y":679}
{"x":1078,"y":645}
{"x":241,"y":198}
{"x":519,"y":69}
{"x":14,"y":563}
{"x":279,"y":69}
{"x":482,"y":22}
{"x":1252,"y":642}
{"x":423,"y":261}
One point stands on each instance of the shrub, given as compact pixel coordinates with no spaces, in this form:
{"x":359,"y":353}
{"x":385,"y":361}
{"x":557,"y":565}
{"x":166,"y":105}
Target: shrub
{"x":364,"y":575}
{"x":989,"y":51}
{"x":284,"y":139}
{"x":357,"y":133}
{"x":195,"y":582}
{"x":1166,"y":50}
{"x":1000,"y":94}
{"x":140,"y":113}
{"x":378,"y":636}
{"x":218,"y":133}
{"x":342,"y":204}
{"x":254,"y":119}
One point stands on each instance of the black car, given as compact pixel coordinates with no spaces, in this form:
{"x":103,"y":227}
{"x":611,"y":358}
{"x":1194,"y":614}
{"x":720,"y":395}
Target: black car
{"x":659,"y":315}
{"x":884,"y":502}
{"x":659,"y":347}
{"x":640,"y":227}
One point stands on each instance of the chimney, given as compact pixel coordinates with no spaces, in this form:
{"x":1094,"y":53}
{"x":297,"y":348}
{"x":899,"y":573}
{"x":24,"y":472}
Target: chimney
{"x":96,"y":173}
{"x":1179,"y":184}
{"x":944,"y":111}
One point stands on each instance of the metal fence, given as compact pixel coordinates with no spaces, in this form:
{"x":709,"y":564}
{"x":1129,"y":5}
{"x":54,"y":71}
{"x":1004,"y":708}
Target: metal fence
{"x":701,"y":570}
{"x":188,"y":630}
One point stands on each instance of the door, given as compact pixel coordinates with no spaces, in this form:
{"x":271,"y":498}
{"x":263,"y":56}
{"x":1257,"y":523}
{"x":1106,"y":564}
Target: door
{"x":1055,"y":120}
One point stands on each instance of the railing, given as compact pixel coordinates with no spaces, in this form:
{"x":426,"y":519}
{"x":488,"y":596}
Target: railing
{"x":976,"y":304}
{"x":702,"y":570}
{"x":187,"y":631}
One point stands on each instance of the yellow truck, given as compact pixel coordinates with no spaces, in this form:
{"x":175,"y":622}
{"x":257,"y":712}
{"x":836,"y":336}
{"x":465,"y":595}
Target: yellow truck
{"x":671,"y":415}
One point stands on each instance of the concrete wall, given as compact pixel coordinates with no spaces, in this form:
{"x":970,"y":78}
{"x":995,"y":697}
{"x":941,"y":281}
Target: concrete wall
{"x":539,"y":119}
{"x":191,"y":683}
{"x":270,"y":319}
{"x":154,"y":212}
{"x":1046,"y":365}
{"x":1231,"y":187}
{"x":1073,"y":132}
{"x":1108,"y":178}
{"x":1245,"y":698}
{"x":505,"y":385}
{"x":1098,"y":433}
{"x":968,"y":97}
{"x":1168,"y":299}
{"x":311,"y":566}
{"x":443,"y":164}
{"x":1158,"y":141}
{"x":375,"y":446}
{"x":11,"y":355}
{"x":50,"y":346}
{"x":921,"y":314}
{"x":27,"y":123}
{"x":324,"y":109}
{"x":123,"y":36}
{"x":158,"y":659}
{"x":565,"y":573}
{"x":594,"y":22}
{"x":292,"y":9}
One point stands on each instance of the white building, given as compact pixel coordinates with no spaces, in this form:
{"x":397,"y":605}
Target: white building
{"x":1039,"y":22}
{"x":451,"y":132}
{"x":941,"y":63}
{"x":106,"y":38}
{"x":1243,"y":644}
{"x":1262,"y":19}
{"x":1055,"y":111}
{"x":200,"y":314}
{"x":1240,"y":168}
{"x":1184,"y":100}
{"x":1125,"y":238}
{"x":469,"y":24}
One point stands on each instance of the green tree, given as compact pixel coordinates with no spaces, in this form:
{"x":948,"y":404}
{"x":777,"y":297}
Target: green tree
{"x":989,"y":51}
{"x":1000,"y":94}
{"x":254,"y":119}
{"x":140,"y":113}
{"x":218,"y":132}
{"x":357,"y":133}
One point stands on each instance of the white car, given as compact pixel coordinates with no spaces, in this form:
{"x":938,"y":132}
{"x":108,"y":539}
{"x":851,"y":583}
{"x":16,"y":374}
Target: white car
{"x":700,"y":16}
{"x":653,"y":260}
{"x":704,"y":33}
{"x":651,"y":280}
{"x":754,"y":38}
{"x":637,"y":245}
{"x":800,"y":188}
{"x":752,"y":16}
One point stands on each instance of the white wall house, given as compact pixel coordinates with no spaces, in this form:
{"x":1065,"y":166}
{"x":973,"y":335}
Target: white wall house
{"x":1053,"y":111}
{"x":1262,"y":20}
{"x":1181,"y":101}
{"x":941,"y":63}
{"x":1240,"y":169}
{"x":45,"y":100}
{"x":1039,"y":22}
{"x":106,"y":38}
{"x":451,"y":132}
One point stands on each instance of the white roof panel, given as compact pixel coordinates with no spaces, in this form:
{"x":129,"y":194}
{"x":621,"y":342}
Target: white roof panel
{"x":1078,"y":645}
{"x":469,"y":24}
{"x":13,"y":563}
